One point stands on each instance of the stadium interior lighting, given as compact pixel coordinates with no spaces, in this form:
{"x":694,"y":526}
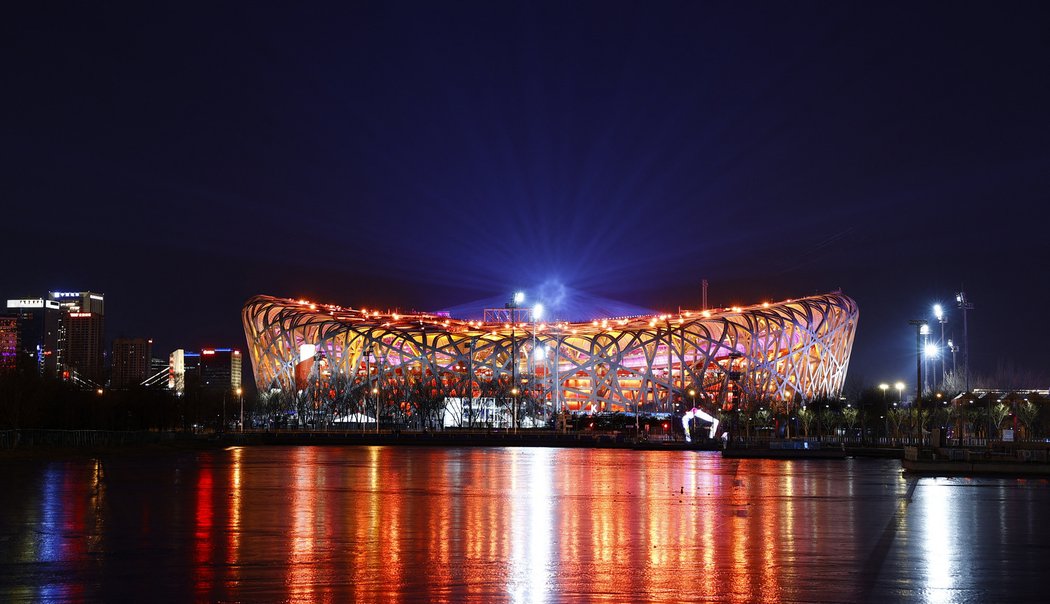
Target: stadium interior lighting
{"x":519,"y":298}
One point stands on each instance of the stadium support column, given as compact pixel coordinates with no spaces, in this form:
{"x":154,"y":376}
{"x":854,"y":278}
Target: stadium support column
{"x":670,"y":367}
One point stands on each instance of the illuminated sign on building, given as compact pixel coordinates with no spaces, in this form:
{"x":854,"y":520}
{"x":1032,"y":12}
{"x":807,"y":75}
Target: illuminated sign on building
{"x":38,"y":303}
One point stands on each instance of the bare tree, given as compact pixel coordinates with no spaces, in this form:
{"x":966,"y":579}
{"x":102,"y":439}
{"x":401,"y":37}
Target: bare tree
{"x":807,"y":417}
{"x":1028,"y":413}
{"x":850,"y":416}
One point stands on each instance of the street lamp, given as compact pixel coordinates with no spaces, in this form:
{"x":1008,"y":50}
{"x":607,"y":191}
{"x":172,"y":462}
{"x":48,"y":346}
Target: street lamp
{"x":884,"y":388}
{"x":900,"y":391}
{"x":240,"y":395}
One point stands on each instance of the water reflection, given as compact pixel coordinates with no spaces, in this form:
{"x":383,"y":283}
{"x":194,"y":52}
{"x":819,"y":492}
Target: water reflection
{"x":517,"y":525}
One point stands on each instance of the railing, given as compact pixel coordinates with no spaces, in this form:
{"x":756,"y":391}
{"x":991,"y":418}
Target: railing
{"x":19,"y":439}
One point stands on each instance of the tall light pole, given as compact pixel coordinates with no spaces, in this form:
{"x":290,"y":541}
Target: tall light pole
{"x":938,"y":312}
{"x":919,"y":325}
{"x":240,"y":395}
{"x":925,"y":331}
{"x":965,"y":305}
{"x":900,"y":391}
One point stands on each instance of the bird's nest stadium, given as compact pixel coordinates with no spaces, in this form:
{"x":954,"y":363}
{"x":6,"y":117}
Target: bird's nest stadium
{"x":342,"y":358}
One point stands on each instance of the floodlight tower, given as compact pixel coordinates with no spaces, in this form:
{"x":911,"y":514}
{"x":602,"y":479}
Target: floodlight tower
{"x":965,"y":305}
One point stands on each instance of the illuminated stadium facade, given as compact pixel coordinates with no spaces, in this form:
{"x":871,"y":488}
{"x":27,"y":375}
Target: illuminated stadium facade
{"x":352,"y":360}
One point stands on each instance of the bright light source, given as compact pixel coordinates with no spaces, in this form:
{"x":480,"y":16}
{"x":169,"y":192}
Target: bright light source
{"x":537,"y":312}
{"x":519,"y":297}
{"x":540,"y":353}
{"x":932,"y":351}
{"x":899,"y":385}
{"x":924,"y":330}
{"x":884,"y":386}
{"x":938,"y":311}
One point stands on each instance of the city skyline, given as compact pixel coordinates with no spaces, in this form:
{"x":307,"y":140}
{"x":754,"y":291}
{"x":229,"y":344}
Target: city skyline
{"x":604,"y":158}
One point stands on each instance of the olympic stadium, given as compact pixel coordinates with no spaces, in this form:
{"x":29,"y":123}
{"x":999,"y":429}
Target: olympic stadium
{"x":353,"y":360}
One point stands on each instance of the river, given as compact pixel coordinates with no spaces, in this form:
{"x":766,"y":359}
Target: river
{"x":340,"y":524}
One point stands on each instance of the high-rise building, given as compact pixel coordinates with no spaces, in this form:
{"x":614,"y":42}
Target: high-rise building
{"x":220,"y":369}
{"x":84,"y":324}
{"x":131,"y":362}
{"x":40,"y":334}
{"x":8,"y":343}
{"x":183,"y":371}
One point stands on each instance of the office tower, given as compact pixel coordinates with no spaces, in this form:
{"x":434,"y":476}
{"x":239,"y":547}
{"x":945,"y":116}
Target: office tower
{"x":131,"y":362}
{"x":40,"y":344}
{"x":220,"y":369}
{"x":83,"y":334}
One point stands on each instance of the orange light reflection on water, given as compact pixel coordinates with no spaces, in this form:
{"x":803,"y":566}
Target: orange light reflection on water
{"x":233,"y":524}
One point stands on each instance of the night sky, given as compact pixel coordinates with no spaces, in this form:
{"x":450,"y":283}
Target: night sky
{"x":605,"y":157}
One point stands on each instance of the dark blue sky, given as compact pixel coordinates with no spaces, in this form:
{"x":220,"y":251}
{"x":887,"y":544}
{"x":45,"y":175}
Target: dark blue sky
{"x":439,"y":155}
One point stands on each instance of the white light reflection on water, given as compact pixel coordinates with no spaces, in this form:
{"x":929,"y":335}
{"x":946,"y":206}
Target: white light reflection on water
{"x":938,"y":546}
{"x":531,"y":525}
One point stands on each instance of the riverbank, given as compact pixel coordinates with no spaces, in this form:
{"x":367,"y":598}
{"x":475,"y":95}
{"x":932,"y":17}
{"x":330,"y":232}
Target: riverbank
{"x":945,"y":461}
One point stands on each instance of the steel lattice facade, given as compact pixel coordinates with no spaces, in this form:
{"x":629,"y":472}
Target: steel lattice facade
{"x":791,"y":350}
